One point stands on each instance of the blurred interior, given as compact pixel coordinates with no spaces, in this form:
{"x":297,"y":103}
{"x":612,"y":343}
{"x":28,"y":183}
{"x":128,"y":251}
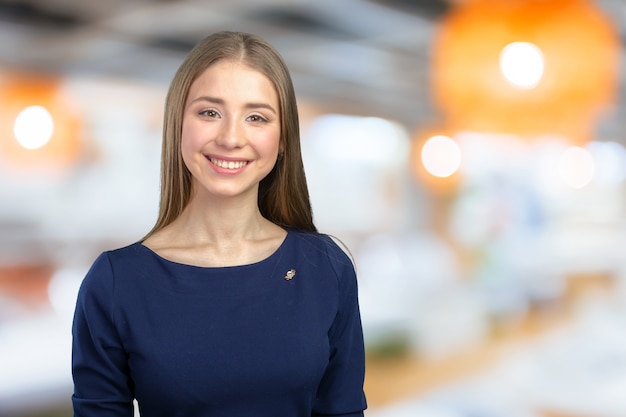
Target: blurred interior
{"x":470,"y":153}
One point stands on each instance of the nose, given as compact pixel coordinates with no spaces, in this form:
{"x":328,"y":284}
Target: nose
{"x":231,"y":134}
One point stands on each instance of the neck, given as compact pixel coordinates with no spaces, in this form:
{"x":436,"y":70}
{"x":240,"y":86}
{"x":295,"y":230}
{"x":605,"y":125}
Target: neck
{"x":211,"y":220}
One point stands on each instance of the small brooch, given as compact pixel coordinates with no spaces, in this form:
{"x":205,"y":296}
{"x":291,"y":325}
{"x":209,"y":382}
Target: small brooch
{"x":290,"y":274}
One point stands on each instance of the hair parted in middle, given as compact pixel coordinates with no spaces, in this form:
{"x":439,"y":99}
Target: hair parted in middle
{"x":283,"y":193}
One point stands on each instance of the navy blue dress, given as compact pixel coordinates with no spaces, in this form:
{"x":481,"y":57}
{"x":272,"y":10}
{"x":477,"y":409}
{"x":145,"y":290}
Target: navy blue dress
{"x":278,"y":338}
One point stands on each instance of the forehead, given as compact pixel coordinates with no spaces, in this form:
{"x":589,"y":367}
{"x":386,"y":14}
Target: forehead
{"x":233,"y":78}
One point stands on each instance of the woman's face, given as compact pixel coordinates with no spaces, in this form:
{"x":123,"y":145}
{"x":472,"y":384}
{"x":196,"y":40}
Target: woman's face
{"x":231,"y":130}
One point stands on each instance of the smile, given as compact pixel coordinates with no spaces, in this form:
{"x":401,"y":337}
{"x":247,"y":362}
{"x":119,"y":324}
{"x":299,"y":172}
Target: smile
{"x":228,"y":164}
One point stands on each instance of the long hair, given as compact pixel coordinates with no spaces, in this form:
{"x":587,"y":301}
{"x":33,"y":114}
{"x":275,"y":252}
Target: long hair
{"x":283,"y":193}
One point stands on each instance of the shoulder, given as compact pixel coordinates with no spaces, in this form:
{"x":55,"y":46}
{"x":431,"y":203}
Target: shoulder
{"x":321,"y":247}
{"x":123,"y":260}
{"x":127,"y":253}
{"x":103,"y":270}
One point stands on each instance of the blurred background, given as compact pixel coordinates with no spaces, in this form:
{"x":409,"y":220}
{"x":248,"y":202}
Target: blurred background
{"x":470,"y":153}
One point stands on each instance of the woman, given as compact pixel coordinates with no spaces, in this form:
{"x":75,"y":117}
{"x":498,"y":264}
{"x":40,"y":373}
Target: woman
{"x":233,"y":304}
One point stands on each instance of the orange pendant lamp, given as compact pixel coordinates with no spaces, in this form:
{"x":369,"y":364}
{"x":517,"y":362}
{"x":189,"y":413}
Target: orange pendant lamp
{"x":527,"y":67}
{"x":39,"y":128}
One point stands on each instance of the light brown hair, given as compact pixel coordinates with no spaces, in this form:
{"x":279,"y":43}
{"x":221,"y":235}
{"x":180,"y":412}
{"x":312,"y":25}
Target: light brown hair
{"x":283,"y":193}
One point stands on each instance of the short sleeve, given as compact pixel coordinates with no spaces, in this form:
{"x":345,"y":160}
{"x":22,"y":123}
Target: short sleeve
{"x":340,"y":392}
{"x":102,"y":386}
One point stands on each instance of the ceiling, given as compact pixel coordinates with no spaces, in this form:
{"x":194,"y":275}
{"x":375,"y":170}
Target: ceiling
{"x":361,"y":56}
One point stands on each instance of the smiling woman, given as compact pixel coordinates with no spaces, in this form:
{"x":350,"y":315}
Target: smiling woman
{"x":231,"y":132}
{"x":233,"y":304}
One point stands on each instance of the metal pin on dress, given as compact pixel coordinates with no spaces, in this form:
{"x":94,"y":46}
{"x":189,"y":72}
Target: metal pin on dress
{"x":290,"y":274}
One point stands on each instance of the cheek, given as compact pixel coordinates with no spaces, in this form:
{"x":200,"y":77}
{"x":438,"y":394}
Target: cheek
{"x":271,"y":143}
{"x":188,"y":145}
{"x":192,"y":133}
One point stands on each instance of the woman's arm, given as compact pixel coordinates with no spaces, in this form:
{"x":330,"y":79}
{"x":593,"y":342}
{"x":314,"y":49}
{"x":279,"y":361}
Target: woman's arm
{"x":340,"y":392}
{"x":102,"y":385}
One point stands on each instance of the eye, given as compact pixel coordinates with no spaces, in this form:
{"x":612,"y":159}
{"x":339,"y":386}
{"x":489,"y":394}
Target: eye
{"x":257,"y":118}
{"x":209,"y":113}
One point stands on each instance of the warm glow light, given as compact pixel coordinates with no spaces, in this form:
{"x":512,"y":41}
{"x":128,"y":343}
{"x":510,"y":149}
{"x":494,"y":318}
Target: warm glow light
{"x":485,"y":80}
{"x":522,"y":64}
{"x":441,"y":156}
{"x":33,"y":127}
{"x":576,"y":167}
{"x":40,"y":124}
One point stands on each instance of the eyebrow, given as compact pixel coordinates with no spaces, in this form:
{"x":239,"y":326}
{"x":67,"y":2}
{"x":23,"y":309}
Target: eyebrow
{"x":216,"y":100}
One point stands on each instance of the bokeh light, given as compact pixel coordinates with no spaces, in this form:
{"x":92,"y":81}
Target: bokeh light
{"x":522,"y":64}
{"x":365,"y":159}
{"x":33,"y":127}
{"x":539,"y":83}
{"x":362,"y":140}
{"x":41,"y":125}
{"x":441,"y":156}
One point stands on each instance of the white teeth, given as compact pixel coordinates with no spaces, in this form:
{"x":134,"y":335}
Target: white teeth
{"x":229,"y":164}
